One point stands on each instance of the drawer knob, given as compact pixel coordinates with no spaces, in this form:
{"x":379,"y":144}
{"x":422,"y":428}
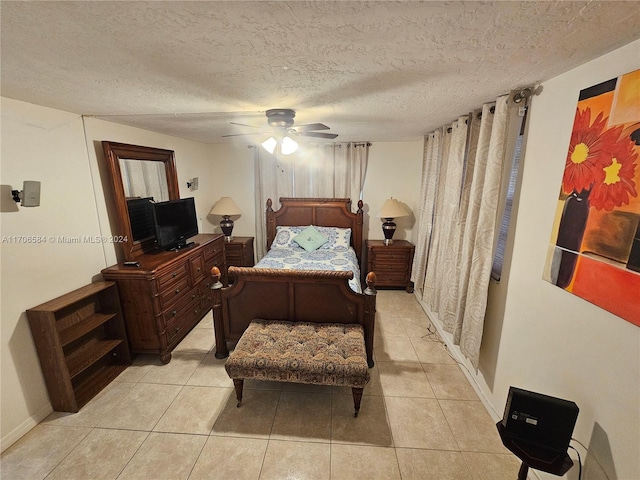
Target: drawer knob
{"x":177,"y":291}
{"x":174,"y":313}
{"x":174,"y":275}
{"x":193,"y":296}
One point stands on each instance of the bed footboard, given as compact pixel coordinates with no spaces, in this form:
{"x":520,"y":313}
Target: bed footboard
{"x":292,"y":295}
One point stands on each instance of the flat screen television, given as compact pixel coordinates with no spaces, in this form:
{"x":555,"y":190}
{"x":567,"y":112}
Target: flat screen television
{"x":175,"y":222}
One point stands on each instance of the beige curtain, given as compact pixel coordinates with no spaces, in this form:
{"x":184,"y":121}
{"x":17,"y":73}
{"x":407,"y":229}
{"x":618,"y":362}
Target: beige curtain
{"x":144,"y":178}
{"x":459,"y":195}
{"x":321,"y":170}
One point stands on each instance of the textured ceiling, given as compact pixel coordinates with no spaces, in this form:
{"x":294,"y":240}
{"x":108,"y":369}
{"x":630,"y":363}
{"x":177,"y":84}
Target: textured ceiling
{"x":375,"y":71}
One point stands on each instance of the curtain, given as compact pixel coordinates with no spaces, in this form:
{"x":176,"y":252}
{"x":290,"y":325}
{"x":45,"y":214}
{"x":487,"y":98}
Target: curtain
{"x":459,"y":195}
{"x":336,"y":170}
{"x":144,"y":178}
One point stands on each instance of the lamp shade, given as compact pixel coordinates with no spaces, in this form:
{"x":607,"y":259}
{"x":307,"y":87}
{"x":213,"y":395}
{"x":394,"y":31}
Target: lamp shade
{"x":270,"y":144}
{"x":288,"y":146}
{"x":225,"y":206}
{"x":392,"y":208}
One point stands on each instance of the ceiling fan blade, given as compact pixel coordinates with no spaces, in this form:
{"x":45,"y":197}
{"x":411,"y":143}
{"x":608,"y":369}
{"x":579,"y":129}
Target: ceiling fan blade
{"x":244,"y":125}
{"x":243,"y":134}
{"x":311,"y":126}
{"x":318,"y":134}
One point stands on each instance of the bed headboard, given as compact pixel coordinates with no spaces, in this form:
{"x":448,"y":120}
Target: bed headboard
{"x":324,"y":212}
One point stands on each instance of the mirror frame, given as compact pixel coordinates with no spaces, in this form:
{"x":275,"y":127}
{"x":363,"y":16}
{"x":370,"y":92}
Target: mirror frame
{"x":113,"y":153}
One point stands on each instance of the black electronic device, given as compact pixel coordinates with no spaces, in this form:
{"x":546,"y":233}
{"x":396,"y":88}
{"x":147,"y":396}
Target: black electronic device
{"x":141,"y":217}
{"x":175,"y":222}
{"x":535,"y":419}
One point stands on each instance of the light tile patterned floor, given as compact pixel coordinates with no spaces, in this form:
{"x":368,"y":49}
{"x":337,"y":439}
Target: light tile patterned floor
{"x":420,"y":419}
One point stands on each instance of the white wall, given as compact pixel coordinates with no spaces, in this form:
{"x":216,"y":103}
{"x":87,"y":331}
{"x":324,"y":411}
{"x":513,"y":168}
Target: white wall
{"x":393,"y":171}
{"x":46,"y":145}
{"x":234,"y":177}
{"x":57,"y":149}
{"x":541,"y":338}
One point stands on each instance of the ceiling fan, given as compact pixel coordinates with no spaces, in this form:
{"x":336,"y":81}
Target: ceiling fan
{"x":281,"y":122}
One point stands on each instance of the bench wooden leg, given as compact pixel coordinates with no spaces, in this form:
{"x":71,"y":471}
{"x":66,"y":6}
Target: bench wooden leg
{"x":238,"y":384}
{"x":357,"y":397}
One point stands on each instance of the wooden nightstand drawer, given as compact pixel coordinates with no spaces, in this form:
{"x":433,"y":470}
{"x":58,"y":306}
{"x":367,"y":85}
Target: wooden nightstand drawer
{"x":383,"y":256}
{"x":389,"y":267}
{"x":239,"y":252}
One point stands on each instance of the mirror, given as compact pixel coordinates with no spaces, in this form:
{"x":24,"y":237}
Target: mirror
{"x":138,"y":175}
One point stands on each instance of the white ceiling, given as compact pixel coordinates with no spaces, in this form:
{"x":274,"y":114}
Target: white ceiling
{"x":371,"y":71}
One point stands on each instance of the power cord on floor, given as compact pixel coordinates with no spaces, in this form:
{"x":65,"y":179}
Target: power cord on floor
{"x":592,"y":456}
{"x":432,"y":336}
{"x":579,"y":461}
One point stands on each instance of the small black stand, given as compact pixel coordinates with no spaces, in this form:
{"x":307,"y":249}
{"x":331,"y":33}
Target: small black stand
{"x":535,"y":457}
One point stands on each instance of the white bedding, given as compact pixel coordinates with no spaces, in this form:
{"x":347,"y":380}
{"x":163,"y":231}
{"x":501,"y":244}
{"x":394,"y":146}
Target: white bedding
{"x":294,"y":257}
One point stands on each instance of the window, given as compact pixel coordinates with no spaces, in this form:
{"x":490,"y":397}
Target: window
{"x":501,"y":243}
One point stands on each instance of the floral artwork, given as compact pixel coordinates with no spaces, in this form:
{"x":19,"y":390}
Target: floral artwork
{"x":595,"y":245}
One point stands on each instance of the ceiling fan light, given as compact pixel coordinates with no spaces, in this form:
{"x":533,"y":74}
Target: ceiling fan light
{"x":270,"y":144}
{"x":288,"y":146}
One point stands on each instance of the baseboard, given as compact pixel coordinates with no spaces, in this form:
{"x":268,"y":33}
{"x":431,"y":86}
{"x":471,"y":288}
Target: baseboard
{"x":24,"y":428}
{"x":458,"y":356}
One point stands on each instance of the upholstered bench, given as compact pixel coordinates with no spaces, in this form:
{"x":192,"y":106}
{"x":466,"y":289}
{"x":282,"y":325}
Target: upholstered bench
{"x":301,"y":352}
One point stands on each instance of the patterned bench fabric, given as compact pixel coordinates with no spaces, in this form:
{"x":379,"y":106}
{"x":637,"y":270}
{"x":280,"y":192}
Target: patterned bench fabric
{"x":301,"y":352}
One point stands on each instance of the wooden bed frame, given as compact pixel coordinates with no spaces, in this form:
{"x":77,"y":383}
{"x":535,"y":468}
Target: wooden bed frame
{"x":305,"y":296}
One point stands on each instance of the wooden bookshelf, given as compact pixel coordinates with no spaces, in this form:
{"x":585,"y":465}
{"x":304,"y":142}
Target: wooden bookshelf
{"x":81,"y":342}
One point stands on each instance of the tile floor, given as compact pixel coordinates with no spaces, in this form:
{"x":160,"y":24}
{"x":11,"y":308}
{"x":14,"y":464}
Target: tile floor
{"x":420,"y":419}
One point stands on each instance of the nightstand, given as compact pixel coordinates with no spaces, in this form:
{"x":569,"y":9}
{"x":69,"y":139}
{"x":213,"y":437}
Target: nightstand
{"x":239,"y":252}
{"x":391,"y":263}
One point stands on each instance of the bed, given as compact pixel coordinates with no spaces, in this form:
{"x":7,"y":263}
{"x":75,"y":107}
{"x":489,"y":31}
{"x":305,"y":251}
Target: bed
{"x":322,"y":285}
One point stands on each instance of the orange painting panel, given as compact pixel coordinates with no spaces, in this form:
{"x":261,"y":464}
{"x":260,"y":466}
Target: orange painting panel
{"x":612,"y":288}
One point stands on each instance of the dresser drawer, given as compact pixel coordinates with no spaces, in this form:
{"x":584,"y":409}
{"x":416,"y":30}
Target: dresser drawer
{"x":213,"y":250}
{"x":174,"y":292}
{"x":176,"y":311}
{"x":177,"y":321}
{"x":175,"y":274}
{"x":197,"y":269}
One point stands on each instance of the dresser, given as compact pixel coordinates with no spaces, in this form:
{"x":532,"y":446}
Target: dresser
{"x":168,"y":293}
{"x":391,"y":263}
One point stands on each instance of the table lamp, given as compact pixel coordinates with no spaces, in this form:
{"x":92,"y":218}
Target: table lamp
{"x":391,"y":209}
{"x":226,"y":207}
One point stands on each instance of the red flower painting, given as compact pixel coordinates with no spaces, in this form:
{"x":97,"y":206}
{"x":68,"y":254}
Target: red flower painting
{"x":599,"y":161}
{"x":595,"y":246}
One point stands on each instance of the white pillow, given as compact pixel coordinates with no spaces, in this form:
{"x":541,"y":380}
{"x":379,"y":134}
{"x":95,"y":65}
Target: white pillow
{"x":338,"y":238}
{"x":285,"y":235}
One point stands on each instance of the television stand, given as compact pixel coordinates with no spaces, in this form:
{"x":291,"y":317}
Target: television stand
{"x":168,"y":294}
